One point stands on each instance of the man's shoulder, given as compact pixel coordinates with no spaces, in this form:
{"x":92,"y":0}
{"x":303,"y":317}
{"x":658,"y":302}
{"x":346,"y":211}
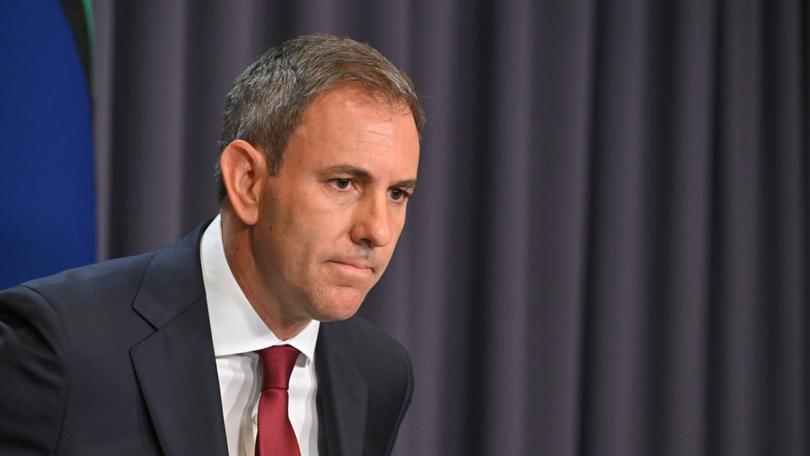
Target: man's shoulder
{"x":370,"y":346}
{"x":365,"y":335}
{"x":385,"y":369}
{"x":120,"y":277}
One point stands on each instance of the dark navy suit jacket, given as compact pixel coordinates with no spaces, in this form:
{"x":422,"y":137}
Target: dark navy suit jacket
{"x":116,"y":358}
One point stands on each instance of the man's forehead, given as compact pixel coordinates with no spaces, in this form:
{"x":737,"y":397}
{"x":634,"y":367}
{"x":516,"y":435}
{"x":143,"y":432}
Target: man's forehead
{"x":345,"y":131}
{"x":353,"y":95}
{"x":381,"y":133}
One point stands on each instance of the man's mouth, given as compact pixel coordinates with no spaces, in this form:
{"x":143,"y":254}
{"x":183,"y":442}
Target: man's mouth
{"x":358,"y":266}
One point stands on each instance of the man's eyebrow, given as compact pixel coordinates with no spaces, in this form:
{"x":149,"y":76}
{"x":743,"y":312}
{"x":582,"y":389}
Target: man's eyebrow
{"x":409,"y":184}
{"x":350,"y":170}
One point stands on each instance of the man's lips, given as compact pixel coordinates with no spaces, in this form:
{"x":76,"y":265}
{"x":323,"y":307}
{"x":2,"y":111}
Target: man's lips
{"x":355,"y":265}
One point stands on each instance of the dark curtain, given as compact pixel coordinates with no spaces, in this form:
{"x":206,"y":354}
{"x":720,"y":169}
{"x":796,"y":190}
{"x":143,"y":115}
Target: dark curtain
{"x":608,"y":251}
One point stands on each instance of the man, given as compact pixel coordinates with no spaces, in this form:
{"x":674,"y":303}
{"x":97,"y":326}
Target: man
{"x":240,"y":338}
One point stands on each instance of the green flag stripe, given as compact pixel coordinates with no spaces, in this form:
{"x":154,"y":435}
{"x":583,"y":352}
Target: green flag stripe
{"x":91,"y":29}
{"x":79,"y":15}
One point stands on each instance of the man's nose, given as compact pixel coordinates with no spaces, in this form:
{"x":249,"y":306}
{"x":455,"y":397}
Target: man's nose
{"x":372,"y":225}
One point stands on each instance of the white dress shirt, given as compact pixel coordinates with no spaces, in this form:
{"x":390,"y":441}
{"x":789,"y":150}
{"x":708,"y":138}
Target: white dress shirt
{"x":237,"y":332}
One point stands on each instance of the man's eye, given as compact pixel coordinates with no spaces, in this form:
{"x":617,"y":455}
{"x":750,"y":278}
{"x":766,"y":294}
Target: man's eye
{"x":397,"y":194}
{"x":342,"y":183}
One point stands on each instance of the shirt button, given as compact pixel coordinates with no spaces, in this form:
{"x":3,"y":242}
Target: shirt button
{"x":255,"y":419}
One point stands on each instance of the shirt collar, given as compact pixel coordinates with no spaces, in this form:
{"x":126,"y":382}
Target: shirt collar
{"x":235,"y":326}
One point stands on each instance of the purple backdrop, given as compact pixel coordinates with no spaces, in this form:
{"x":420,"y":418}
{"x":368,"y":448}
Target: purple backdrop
{"x":608,"y":251}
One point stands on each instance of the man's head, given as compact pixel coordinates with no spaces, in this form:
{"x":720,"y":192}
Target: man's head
{"x":269,"y":98}
{"x":320,"y":155}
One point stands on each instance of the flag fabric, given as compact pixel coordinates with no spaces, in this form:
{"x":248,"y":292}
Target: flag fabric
{"x":47,"y":200}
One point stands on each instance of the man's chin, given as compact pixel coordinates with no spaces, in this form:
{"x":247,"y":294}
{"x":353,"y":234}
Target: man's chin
{"x":339,"y":304}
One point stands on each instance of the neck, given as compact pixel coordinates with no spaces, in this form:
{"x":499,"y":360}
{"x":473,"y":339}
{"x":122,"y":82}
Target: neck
{"x":258,"y":291}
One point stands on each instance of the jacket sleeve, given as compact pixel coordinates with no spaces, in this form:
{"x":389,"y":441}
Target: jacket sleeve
{"x":33,"y":383}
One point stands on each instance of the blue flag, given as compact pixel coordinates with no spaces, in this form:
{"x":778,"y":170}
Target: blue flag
{"x":47,"y":198}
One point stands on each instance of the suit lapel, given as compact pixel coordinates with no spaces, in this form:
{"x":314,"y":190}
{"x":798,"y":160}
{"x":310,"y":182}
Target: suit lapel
{"x":175,"y":366}
{"x":342,"y":394}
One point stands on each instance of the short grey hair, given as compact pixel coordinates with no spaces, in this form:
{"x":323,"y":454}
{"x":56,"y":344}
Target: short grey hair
{"x":268,"y":100}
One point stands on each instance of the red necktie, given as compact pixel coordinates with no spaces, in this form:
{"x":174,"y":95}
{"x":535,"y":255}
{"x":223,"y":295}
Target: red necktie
{"x":275,"y":436}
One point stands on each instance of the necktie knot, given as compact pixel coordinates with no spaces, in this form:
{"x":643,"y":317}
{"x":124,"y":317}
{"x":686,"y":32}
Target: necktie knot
{"x":278,"y":362}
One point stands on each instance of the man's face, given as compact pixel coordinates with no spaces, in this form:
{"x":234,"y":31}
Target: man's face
{"x":330,"y":219}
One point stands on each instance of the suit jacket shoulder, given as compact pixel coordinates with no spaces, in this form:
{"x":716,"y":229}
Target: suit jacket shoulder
{"x":51,"y":333}
{"x":111,"y":358}
{"x":365,"y":386}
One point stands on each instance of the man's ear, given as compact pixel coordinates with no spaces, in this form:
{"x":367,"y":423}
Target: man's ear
{"x":245,"y":173}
